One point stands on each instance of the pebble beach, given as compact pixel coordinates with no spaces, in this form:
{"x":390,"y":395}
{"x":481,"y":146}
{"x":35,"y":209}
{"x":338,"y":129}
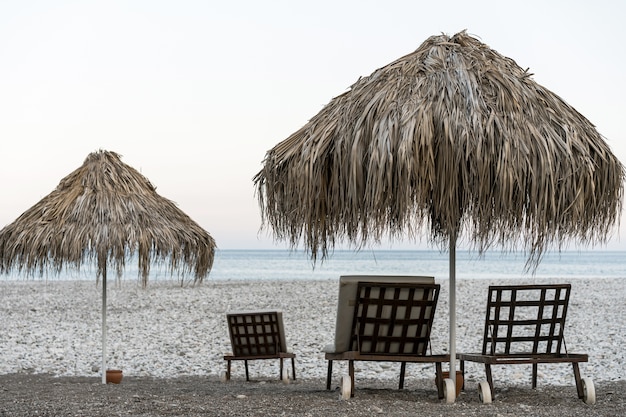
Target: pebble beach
{"x":167,"y":331}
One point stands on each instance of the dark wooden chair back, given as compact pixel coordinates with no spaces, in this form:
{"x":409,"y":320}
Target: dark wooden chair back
{"x":525,"y":319}
{"x":256,"y":334}
{"x":393,"y":319}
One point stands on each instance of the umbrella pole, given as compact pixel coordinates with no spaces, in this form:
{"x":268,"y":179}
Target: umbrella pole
{"x":453,"y":308}
{"x":104,"y":324}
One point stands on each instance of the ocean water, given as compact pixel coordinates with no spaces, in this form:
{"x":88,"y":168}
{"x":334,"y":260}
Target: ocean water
{"x":295,"y":265}
{"x":277,"y":264}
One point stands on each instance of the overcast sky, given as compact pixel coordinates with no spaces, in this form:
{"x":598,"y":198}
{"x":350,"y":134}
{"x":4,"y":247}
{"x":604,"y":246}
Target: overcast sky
{"x":193,"y":93}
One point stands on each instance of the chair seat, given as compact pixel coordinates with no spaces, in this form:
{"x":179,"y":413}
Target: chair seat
{"x":357,"y":356}
{"x":284,"y":355}
{"x":521,"y":358}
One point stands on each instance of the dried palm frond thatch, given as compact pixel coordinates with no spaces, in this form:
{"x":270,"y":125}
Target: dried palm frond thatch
{"x":454,"y":140}
{"x":105,"y":212}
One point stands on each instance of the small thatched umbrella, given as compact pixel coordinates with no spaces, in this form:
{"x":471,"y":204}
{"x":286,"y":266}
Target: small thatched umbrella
{"x":105,"y":212}
{"x":455,"y":140}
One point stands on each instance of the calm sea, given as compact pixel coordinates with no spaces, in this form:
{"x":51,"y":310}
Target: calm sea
{"x":289,"y":265}
{"x":275,"y":264}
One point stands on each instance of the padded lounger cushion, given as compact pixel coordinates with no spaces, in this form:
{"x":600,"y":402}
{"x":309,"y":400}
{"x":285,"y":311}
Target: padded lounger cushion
{"x":347,"y":299}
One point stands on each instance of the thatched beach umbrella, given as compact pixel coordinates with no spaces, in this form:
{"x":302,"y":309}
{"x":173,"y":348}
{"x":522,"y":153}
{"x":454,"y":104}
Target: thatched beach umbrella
{"x":105,"y":213}
{"x":453,"y":141}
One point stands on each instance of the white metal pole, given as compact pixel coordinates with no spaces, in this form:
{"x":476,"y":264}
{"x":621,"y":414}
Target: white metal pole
{"x":453,"y":308}
{"x":104,"y":324}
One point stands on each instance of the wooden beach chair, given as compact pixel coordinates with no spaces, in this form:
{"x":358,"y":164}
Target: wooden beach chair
{"x":525,"y":325}
{"x":384,"y":319}
{"x":258,"y":335}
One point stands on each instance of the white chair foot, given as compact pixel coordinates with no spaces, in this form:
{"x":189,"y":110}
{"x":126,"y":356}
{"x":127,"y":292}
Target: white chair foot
{"x":346,"y":387}
{"x":449,"y":391}
{"x":285,"y":376}
{"x":484,"y":392}
{"x":589,"y":391}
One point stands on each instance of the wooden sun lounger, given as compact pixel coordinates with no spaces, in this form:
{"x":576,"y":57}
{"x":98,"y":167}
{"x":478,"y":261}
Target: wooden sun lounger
{"x":525,"y":325}
{"x":258,"y":335}
{"x":385,"y":319}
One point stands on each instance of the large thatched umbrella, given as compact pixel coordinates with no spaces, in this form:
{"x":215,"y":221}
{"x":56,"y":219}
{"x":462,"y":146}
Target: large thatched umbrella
{"x":106,"y":213}
{"x":454,"y":141}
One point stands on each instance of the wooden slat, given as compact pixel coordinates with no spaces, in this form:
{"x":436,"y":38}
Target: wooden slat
{"x":254,"y":334}
{"x":515,"y":300}
{"x":393,"y":319}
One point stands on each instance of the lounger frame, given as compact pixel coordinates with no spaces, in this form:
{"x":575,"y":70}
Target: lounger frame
{"x":257,"y":335}
{"x":524,"y":325}
{"x":391,"y":322}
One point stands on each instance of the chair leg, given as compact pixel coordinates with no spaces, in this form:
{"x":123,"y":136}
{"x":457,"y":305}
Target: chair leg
{"x":228,"y":370}
{"x":463,"y":375}
{"x":534,"y":375}
{"x":293,"y":368}
{"x":402,"y":369}
{"x":280,"y":375}
{"x":579,"y":382}
{"x":329,"y":374}
{"x":247,"y":375}
{"x":439,"y":380}
{"x":351,"y":372}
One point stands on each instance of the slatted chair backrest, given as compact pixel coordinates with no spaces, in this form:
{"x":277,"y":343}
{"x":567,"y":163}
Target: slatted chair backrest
{"x":393,"y":319}
{"x":525,"y":319}
{"x":256,"y":333}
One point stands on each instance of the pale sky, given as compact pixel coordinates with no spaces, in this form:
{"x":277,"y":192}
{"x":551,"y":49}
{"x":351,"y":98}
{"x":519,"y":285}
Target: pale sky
{"x":193,"y":93}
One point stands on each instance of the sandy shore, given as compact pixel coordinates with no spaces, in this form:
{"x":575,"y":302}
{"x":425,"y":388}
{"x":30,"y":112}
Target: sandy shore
{"x":172,"y":336}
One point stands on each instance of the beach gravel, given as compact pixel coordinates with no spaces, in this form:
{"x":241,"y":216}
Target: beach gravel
{"x":44,"y":395}
{"x":170,"y":341}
